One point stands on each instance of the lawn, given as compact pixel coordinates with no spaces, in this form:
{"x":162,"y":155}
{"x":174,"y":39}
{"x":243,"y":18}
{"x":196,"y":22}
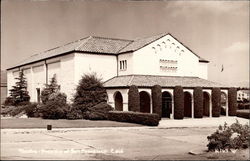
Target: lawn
{"x":19,"y":123}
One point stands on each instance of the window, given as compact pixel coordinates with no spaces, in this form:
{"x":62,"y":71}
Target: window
{"x":159,"y":46}
{"x":123,"y":64}
{"x":38,"y":94}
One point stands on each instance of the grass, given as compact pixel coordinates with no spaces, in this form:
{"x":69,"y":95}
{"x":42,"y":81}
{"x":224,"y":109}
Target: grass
{"x":20,"y":123}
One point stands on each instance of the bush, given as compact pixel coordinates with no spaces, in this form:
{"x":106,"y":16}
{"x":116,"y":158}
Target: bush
{"x":55,"y":107}
{"x":243,"y":113}
{"x":157,"y":99}
{"x":98,"y":112}
{"x":134,"y":117}
{"x":178,"y":102}
{"x":133,"y":99}
{"x":235,"y":136}
{"x":216,"y":102}
{"x":12,"y":110}
{"x":198,"y":102}
{"x":243,"y":105}
{"x":74,"y":114}
{"x":31,"y":110}
{"x":89,"y":92}
{"x":232,"y":101}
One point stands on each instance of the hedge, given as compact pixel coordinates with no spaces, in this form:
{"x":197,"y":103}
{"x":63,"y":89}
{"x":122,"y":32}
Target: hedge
{"x":243,"y":113}
{"x":216,"y":102}
{"x":157,"y":99}
{"x":133,"y":99}
{"x":178,"y":102}
{"x":232,"y":101}
{"x":198,"y":102}
{"x":134,"y":117}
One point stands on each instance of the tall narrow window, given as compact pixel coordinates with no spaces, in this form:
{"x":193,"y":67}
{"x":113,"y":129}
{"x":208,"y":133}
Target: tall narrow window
{"x":123,"y":64}
{"x":38,"y":94}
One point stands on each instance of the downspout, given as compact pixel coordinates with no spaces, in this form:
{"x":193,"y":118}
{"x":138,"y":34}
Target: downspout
{"x":117,"y":66}
{"x":46,"y":71}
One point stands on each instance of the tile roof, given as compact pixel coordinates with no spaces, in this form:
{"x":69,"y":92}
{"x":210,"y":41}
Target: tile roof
{"x":164,"y":81}
{"x":98,"y":45}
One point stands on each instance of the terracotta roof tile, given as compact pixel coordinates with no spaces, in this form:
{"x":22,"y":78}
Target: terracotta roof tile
{"x":94,"y":44}
{"x":164,"y":81}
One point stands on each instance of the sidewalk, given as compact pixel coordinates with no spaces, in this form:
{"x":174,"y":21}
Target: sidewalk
{"x":202,"y":122}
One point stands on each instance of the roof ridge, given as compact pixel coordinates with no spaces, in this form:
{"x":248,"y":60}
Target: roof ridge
{"x":111,"y":38}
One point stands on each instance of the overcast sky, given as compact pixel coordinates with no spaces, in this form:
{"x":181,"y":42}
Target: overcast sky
{"x":216,"y":30}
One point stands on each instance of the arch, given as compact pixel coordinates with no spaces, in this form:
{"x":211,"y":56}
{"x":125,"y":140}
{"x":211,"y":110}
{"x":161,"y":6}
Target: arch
{"x":166,"y":104}
{"x":206,"y":103}
{"x":164,"y":44}
{"x":118,"y":101}
{"x":187,"y":104}
{"x":154,"y":49}
{"x":159,"y":46}
{"x":223,"y":102}
{"x":144,"y":102}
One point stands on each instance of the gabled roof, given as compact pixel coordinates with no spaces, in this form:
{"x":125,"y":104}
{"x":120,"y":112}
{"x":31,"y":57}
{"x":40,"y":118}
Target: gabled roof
{"x":96,"y":45}
{"x":164,"y":81}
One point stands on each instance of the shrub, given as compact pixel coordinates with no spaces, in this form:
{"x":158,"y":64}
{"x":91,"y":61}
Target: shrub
{"x":12,"y":110}
{"x":235,"y":136}
{"x":74,"y":113}
{"x":178,"y":102}
{"x":243,"y":113}
{"x":55,"y":107}
{"x":243,"y":105}
{"x":157,"y":99}
{"x":133,"y":99}
{"x":98,"y":112}
{"x":216,"y":102}
{"x":31,"y":110}
{"x":232,"y":101}
{"x":198,"y":102}
{"x":89,"y":92}
{"x":134,"y":117}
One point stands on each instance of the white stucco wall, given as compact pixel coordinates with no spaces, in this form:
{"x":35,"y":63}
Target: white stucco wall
{"x":129,"y":58}
{"x":105,"y":66}
{"x":165,"y":52}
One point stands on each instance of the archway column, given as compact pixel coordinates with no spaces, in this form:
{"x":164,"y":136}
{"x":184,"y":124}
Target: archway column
{"x":210,"y":106}
{"x":226,"y":92}
{"x":192,"y":107}
{"x":172,"y":114}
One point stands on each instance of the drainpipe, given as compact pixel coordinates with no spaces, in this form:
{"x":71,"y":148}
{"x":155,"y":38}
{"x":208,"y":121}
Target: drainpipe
{"x":117,"y":66}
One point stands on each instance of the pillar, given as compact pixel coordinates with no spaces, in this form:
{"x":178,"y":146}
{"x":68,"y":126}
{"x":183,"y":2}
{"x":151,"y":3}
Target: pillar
{"x":192,"y":104}
{"x":210,"y":106}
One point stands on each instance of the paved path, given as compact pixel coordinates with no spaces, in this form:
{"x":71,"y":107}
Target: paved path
{"x":111,"y":143}
{"x":167,"y":141}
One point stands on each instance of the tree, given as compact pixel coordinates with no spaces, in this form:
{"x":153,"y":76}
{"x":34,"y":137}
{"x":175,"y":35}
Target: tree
{"x":133,"y":99}
{"x":89,"y":93}
{"x":178,"y":102}
{"x":216,"y":102}
{"x":50,"y":88}
{"x":232,"y":101}
{"x":157,"y":99}
{"x":19,"y":94}
{"x":198,"y":102}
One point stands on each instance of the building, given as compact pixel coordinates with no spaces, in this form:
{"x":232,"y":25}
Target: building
{"x":160,"y":59}
{"x":3,"y":86}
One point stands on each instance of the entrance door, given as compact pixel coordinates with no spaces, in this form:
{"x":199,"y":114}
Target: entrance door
{"x":166,"y":104}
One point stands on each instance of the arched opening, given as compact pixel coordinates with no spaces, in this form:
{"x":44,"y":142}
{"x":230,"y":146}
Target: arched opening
{"x":187,"y":104}
{"x":206,"y":104}
{"x":144,"y":102}
{"x":223,"y":102}
{"x":118,"y":101}
{"x":166,"y":104}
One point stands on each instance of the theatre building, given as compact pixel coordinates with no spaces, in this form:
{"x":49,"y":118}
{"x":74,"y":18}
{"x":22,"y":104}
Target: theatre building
{"x":158,"y":60}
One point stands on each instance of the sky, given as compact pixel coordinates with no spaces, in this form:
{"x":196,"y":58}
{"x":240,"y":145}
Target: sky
{"x":216,"y":30}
